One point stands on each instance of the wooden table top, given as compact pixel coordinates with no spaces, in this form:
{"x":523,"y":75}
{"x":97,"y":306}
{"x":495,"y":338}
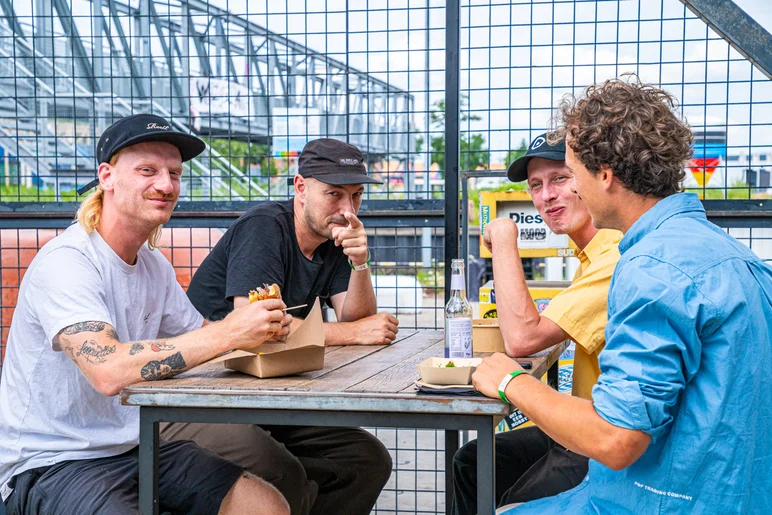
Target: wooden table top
{"x":354,"y":378}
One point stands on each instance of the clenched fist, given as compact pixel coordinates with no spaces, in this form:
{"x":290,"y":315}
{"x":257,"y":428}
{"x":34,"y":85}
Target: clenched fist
{"x":378,"y":329}
{"x":500,"y":230}
{"x":353,"y":239}
{"x":488,"y":374}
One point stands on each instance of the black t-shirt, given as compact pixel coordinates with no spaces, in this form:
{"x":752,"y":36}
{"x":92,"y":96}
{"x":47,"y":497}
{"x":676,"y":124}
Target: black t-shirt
{"x":261,"y":247}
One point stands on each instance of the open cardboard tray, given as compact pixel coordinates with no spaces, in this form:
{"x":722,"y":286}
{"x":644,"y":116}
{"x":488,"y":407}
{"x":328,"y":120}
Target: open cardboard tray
{"x":432,"y":373}
{"x":303,"y":351}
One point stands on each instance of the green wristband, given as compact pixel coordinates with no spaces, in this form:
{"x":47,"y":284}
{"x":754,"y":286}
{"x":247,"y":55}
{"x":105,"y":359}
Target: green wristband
{"x":363,"y":266}
{"x":505,"y":382}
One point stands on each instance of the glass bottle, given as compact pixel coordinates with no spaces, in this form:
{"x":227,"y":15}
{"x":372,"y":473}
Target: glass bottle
{"x":458,"y":315}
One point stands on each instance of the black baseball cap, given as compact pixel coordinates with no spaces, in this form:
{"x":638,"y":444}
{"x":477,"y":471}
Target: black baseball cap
{"x":539,"y":147}
{"x":333,"y":162}
{"x":142,"y":128}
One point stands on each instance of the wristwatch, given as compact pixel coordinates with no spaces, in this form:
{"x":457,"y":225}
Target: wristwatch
{"x":505,"y":382}
{"x":363,"y":266}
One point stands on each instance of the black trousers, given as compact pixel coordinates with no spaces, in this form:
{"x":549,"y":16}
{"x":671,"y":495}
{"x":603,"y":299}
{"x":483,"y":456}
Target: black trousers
{"x":529,"y":466}
{"x":319,"y":470}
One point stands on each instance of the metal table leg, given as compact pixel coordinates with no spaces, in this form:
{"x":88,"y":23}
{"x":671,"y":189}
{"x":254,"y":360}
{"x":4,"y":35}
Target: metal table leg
{"x":451,"y":446}
{"x":148,"y":462}
{"x":486,"y":467}
{"x":483,"y":424}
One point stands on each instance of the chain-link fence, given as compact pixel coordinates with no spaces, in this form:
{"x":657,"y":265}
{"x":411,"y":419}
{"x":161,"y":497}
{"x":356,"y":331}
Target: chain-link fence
{"x":519,"y":58}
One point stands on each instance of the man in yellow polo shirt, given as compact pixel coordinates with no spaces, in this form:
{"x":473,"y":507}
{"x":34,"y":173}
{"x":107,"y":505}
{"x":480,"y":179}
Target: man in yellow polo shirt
{"x":529,"y":464}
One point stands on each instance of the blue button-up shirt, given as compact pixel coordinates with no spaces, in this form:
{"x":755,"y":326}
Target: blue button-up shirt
{"x":688,"y":361}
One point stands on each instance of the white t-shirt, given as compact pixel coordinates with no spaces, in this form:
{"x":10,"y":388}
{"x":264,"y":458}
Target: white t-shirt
{"x":49,"y":412}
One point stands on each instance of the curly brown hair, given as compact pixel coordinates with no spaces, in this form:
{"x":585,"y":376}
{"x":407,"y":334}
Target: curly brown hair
{"x":633,"y":129}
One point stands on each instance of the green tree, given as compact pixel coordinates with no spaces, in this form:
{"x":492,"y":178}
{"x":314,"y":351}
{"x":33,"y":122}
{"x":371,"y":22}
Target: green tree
{"x":473,"y":151}
{"x":513,"y":155}
{"x":242,"y":154}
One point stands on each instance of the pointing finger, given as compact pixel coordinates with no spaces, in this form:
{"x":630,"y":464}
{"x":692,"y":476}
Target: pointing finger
{"x":353,"y":221}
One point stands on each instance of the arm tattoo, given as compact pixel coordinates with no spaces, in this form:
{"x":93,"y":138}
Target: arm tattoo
{"x":155,"y":346}
{"x":160,"y":345}
{"x":95,"y":353}
{"x":80,"y":327}
{"x":168,"y":366}
{"x":92,"y":327}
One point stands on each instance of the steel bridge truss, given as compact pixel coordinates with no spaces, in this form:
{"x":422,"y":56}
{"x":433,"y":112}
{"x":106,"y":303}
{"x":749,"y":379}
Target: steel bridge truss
{"x":208,"y":70}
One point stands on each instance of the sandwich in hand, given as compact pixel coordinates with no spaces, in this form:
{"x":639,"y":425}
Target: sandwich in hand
{"x":265,"y":293}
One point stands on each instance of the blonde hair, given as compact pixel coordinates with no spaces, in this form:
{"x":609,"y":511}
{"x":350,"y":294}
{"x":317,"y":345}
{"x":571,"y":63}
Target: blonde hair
{"x":90,"y":212}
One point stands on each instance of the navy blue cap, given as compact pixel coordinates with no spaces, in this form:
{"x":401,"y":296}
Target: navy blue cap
{"x":539,"y":147}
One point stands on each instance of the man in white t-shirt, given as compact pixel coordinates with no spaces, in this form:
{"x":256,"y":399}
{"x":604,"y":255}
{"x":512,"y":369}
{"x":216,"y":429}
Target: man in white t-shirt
{"x":100,"y":309}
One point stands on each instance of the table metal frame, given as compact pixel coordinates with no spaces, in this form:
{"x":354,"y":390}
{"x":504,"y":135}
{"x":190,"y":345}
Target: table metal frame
{"x":332,"y":409}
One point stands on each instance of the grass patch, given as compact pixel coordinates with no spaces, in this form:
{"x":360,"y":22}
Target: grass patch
{"x":33,"y":194}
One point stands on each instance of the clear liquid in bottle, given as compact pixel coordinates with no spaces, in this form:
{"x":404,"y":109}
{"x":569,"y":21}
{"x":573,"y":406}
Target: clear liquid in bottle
{"x":458,"y":315}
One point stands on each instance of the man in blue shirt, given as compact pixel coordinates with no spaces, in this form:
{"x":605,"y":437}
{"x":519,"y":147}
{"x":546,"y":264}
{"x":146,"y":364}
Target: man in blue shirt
{"x":680,"y":418}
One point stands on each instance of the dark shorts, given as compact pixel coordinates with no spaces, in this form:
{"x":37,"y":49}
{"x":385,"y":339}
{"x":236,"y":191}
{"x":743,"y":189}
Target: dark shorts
{"x":192,"y":480}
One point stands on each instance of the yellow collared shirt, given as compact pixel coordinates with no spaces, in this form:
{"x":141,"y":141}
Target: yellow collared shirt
{"x":580,"y":309}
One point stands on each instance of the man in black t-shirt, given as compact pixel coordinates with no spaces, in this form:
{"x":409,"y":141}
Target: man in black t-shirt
{"x":311,"y":246}
{"x":262,"y":247}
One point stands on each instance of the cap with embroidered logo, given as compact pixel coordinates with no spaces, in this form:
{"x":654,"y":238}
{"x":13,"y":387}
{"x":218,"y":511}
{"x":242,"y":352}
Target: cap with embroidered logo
{"x":539,"y":147}
{"x":335,"y":162}
{"x":142,"y":128}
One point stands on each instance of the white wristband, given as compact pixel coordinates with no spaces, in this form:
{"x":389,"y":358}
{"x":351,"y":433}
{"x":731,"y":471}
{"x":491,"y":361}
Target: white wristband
{"x":363,"y":266}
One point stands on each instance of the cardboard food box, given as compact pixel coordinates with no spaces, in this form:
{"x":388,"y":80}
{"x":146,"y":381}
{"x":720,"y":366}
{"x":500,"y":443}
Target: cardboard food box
{"x":434,"y":371}
{"x":486,"y":335}
{"x":302,"y":352}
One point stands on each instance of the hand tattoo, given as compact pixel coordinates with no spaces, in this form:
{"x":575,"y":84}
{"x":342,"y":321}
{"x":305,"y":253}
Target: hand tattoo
{"x":168,"y":366}
{"x":137,"y":347}
{"x":95,"y":353}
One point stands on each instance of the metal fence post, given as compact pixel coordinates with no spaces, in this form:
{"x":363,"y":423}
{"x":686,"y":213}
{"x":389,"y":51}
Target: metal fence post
{"x":452,"y":142}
